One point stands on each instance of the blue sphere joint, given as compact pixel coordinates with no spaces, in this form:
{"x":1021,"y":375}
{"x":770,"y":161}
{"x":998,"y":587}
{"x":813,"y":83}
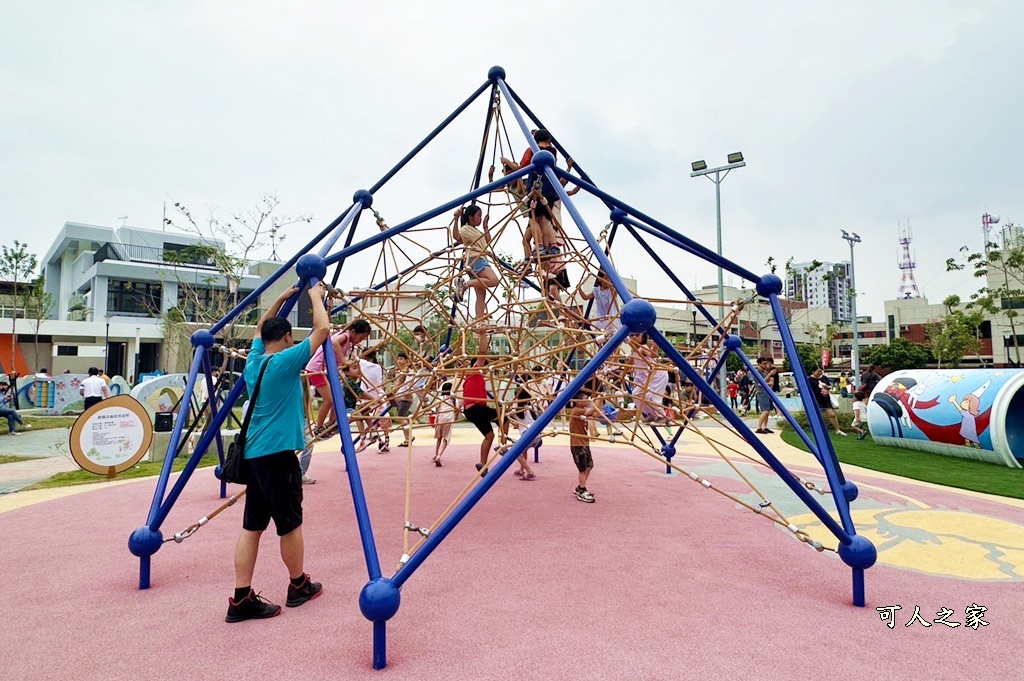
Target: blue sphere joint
{"x":379,"y":599}
{"x":203,"y":339}
{"x":364,"y":197}
{"x":668,"y":450}
{"x":495,"y":74}
{"x":859,"y":553}
{"x":217,"y":471}
{"x":638,"y":316}
{"x":311,"y":266}
{"x":850,"y":491}
{"x":769,"y":284}
{"x":733,"y":342}
{"x":544,"y":159}
{"x":618,"y":215}
{"x":145,"y":542}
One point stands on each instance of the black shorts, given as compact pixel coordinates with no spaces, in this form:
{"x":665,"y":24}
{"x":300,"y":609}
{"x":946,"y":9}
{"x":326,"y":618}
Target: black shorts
{"x":403,"y":406}
{"x":542,"y":211}
{"x":582,"y":458}
{"x":89,"y":401}
{"x":274,"y":491}
{"x":561,"y":280}
{"x":481,"y":416}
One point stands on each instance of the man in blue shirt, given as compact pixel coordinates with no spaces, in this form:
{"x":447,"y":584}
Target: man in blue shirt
{"x":275,"y":433}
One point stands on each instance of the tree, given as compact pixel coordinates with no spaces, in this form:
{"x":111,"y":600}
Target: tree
{"x":37,"y":303}
{"x":1003,"y":292}
{"x":955,"y":335}
{"x":229,"y":245}
{"x":898,"y":354}
{"x":810,"y":356}
{"x":17,"y":265}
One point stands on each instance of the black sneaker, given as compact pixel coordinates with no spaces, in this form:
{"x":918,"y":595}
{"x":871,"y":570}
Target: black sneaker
{"x":307,"y":591}
{"x":583,"y":495}
{"x":252,"y":607}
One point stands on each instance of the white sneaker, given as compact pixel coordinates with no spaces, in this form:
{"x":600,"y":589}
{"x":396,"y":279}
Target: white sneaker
{"x":26,"y":426}
{"x":306,"y":480}
{"x":839,"y":432}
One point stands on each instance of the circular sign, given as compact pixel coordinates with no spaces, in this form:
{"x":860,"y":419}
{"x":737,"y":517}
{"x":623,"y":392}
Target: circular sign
{"x":111,"y":436}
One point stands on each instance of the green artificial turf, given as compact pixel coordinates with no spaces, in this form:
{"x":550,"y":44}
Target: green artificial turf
{"x":950,"y":471}
{"x":141,"y":470}
{"x":43,"y":422}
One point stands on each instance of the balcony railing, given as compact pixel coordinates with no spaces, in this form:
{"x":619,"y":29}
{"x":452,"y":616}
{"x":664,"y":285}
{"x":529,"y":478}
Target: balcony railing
{"x":197,"y":257}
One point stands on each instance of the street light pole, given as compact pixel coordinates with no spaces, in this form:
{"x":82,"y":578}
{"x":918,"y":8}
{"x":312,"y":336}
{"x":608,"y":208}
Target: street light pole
{"x":106,"y":347}
{"x":852,"y":239}
{"x":720,"y":173}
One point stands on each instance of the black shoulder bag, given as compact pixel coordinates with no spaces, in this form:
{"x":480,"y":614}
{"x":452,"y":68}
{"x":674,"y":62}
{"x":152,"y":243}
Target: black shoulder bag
{"x":234,"y":469}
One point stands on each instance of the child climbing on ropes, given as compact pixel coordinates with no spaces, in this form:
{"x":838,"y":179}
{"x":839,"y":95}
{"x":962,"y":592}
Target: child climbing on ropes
{"x":649,"y":381}
{"x":858,"y":415}
{"x":351,"y":385}
{"x":343,"y":341}
{"x":470,"y":230}
{"x":524,"y":417}
{"x":545,"y":205}
{"x":605,"y":315}
{"x":478,"y":412}
{"x":405,"y":379}
{"x":371,"y":383}
{"x":445,"y":413}
{"x":579,"y":443}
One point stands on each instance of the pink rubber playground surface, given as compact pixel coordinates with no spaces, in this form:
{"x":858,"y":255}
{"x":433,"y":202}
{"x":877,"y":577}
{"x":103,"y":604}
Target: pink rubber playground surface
{"x":658,"y":579}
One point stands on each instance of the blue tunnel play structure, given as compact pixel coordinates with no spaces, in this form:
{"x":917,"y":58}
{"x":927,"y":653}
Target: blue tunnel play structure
{"x":381,"y":596}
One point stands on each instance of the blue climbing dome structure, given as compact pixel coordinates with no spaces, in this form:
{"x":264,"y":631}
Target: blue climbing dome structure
{"x":336,"y":244}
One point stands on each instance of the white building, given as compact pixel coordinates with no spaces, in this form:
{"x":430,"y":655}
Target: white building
{"x":110,"y":288}
{"x":822,"y":284}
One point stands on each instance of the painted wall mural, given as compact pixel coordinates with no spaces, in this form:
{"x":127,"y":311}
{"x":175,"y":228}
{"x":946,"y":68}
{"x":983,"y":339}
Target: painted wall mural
{"x":970,"y":413}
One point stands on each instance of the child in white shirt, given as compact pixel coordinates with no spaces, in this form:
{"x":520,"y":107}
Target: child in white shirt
{"x":858,"y":415}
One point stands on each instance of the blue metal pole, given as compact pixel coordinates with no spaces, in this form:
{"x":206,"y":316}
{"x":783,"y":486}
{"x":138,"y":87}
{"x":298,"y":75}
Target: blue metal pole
{"x":204,"y":442}
{"x":345,"y":222}
{"x":671,"y":275}
{"x":351,"y":464}
{"x":179,"y":424}
{"x":741,"y":428}
{"x":211,"y":391}
{"x":426,"y":140}
{"x":254,"y":295}
{"x":444,"y":208}
{"x":828,"y":458}
{"x":704,"y":252}
{"x":778,"y":404}
{"x":666,"y":238}
{"x":471,"y":499}
{"x":483,"y":143}
{"x":380,"y":639}
{"x":518,"y":116}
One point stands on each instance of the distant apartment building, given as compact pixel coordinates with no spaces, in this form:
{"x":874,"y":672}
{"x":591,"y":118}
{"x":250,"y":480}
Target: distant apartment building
{"x":822,"y":284}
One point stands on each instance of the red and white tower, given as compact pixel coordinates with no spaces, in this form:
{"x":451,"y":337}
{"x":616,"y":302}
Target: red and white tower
{"x":908,"y":285}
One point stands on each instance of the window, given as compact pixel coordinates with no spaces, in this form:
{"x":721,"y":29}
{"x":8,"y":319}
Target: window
{"x":134,"y":298}
{"x":67,"y":351}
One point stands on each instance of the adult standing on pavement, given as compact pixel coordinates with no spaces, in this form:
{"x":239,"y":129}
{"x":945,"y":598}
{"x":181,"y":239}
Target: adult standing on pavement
{"x":276,"y":433}
{"x":94,"y":389}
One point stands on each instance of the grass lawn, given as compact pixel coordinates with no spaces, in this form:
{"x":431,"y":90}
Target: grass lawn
{"x":142,"y":470}
{"x":10,"y":458}
{"x":936,"y":468}
{"x":42,"y":422}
